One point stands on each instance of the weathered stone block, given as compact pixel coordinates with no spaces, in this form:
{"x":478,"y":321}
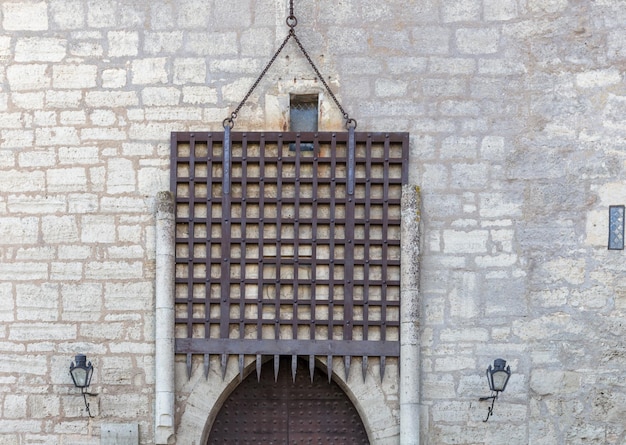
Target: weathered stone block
{"x":545,"y":381}
{"x":461,"y":10}
{"x":19,"y":230}
{"x":74,"y":76}
{"x":103,"y":134}
{"x":66,"y":180}
{"x":66,"y":271}
{"x":72,"y":117}
{"x":28,"y":77}
{"x":5,"y":47}
{"x":59,"y":229}
{"x":40,"y":49}
{"x":189,"y":70}
{"x":211,"y":43}
{"x":25,"y":16}
{"x":113,"y":78}
{"x":97,"y":229}
{"x":129,"y":406}
{"x":15,"y":406}
{"x":598,"y":78}
{"x":42,"y":331}
{"x":257,"y":42}
{"x":462,"y":297}
{"x":43,"y":158}
{"x":149,"y":71}
{"x":500,"y":10}
{"x":454,"y":363}
{"x":68,"y":14}
{"x":118,"y":270}
{"x":57,"y":136}
{"x":549,"y":6}
{"x":123,"y":43}
{"x":390,"y":88}
{"x":81,"y":301}
{"x":7,"y":301}
{"x":468,"y":176}
{"x":102,"y":14}
{"x":160,"y":96}
{"x":111,"y":99}
{"x":29,"y":101}
{"x":14,"y":139}
{"x":432,"y":40}
{"x":43,"y":406}
{"x":464,"y":335}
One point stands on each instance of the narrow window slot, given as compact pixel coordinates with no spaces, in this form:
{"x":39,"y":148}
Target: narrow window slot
{"x":303,"y":117}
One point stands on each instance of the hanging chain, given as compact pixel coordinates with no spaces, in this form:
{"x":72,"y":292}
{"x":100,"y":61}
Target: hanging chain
{"x":291,"y":21}
{"x":349,"y":122}
{"x":230,"y":121}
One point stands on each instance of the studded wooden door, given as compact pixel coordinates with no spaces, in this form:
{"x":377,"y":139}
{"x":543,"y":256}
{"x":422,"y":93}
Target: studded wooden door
{"x":287,"y":411}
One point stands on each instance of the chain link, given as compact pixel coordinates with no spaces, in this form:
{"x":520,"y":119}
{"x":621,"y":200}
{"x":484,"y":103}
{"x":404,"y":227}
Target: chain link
{"x":345,"y":115}
{"x":233,"y":115}
{"x":292,"y":22}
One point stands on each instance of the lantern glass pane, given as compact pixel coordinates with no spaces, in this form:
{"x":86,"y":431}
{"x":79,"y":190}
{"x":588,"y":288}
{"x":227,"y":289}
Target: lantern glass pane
{"x":80,"y":377}
{"x":499,"y":380}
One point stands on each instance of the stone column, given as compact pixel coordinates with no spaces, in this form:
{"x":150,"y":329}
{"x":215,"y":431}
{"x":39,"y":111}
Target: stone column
{"x":164,"y":359}
{"x":410,"y":318}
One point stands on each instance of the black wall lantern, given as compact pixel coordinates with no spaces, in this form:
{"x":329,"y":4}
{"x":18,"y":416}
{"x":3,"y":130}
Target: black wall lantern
{"x":498,"y":377}
{"x":81,"y":371}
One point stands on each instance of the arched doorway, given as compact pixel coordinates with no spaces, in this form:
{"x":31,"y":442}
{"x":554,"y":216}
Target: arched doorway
{"x":288,"y":412}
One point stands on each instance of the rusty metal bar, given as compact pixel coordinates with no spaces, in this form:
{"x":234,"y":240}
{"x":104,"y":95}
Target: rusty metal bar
{"x":227,"y":160}
{"x":314,"y":231}
{"x":225,"y":240}
{"x":260,"y":228}
{"x":385,"y":255}
{"x":331,"y":241}
{"x":190,"y":244}
{"x":208,"y":262}
{"x":333,"y":203}
{"x":242,"y":246}
{"x":348,"y":292}
{"x":289,"y":347}
{"x":296,"y":246}
{"x":351,"y":161}
{"x":278,"y":225}
{"x":367,"y":225}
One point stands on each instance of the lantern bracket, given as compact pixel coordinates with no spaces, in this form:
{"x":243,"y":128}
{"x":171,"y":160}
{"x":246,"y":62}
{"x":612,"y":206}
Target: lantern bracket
{"x":489,"y":409}
{"x":498,"y":377}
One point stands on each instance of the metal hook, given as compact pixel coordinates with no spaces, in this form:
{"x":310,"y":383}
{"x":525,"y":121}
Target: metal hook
{"x":291,"y":21}
{"x":228,"y":122}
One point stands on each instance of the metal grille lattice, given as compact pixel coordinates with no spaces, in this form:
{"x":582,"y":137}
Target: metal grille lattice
{"x":297,"y":253}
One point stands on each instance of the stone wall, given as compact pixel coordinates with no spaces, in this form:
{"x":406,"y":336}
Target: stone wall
{"x":518,"y":136}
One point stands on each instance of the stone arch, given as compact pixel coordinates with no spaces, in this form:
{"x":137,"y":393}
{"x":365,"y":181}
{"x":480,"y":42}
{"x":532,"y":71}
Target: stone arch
{"x":288,"y":408}
{"x":200,"y":398}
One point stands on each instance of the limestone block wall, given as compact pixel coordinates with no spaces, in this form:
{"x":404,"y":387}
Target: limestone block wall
{"x":518,"y":136}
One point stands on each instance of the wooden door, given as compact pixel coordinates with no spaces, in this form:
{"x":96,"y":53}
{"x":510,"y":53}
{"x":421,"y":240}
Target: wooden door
{"x":287,"y":412}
